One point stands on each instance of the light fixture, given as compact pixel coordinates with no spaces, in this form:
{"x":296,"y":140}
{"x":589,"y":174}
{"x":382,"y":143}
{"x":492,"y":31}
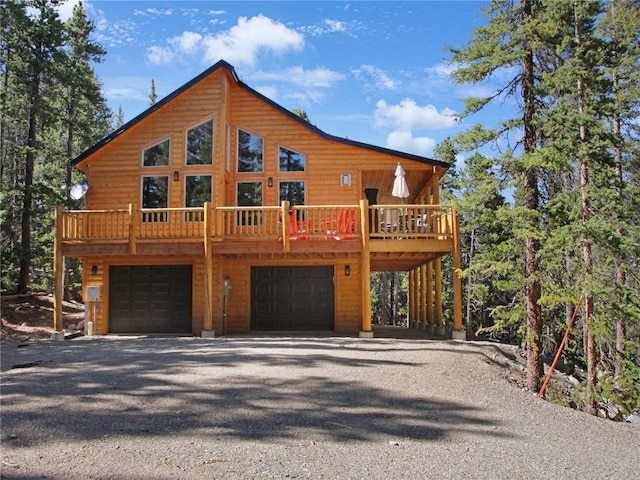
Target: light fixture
{"x":176,"y":175}
{"x":345,"y":179}
{"x":270,"y":181}
{"x":94,"y":270}
{"x":347,"y":270}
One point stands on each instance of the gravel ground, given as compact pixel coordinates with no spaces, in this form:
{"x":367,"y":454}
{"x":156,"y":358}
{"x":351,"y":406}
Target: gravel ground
{"x":278,"y":407}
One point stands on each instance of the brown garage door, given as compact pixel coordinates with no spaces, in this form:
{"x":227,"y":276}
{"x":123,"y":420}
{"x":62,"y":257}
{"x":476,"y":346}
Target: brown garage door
{"x":150,"y":299}
{"x":292,"y":298}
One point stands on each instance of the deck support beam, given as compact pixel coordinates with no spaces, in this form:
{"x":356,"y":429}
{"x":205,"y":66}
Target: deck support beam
{"x":365,"y":269}
{"x":208,"y":274}
{"x":438,"y":292}
{"x":458,"y":333}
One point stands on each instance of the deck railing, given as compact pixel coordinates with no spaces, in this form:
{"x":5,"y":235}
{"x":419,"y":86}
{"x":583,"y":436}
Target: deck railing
{"x":300,"y":222}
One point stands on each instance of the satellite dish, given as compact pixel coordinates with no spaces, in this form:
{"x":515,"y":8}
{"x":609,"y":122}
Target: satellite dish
{"x":79,"y":190}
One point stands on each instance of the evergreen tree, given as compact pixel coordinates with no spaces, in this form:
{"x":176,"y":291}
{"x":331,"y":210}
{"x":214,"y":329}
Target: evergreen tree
{"x":119,"y":120}
{"x":35,"y":40}
{"x":152,"y":95}
{"x":506,"y":42}
{"x":52,"y":108}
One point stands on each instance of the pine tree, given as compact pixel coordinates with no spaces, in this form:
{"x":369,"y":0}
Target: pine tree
{"x":152,"y":95}
{"x":506,"y":42}
{"x":36,"y":40}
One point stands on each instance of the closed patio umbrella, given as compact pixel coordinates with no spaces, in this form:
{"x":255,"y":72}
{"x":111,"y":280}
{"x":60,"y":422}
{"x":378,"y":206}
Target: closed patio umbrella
{"x":400,"y":187}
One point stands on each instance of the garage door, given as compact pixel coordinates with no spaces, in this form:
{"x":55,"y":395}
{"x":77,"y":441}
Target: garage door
{"x":150,"y":299}
{"x":292,"y":298}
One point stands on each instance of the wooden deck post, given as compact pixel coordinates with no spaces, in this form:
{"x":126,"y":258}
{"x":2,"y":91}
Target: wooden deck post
{"x":438,"y":292}
{"x":424,"y":317}
{"x":133,"y":221}
{"x":429,"y":294}
{"x":412,"y":298}
{"x":365,"y":271}
{"x":58,"y":271}
{"x":284,"y":216}
{"x":457,"y":282}
{"x":438,"y":265}
{"x":208,"y":271}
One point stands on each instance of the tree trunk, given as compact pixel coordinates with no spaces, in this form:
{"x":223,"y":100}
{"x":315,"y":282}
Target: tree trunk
{"x":590,"y":344}
{"x":467,"y":320}
{"x":25,"y":246}
{"x":621,"y":274}
{"x":532,"y":202}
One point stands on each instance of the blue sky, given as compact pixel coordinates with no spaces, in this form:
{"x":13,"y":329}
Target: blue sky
{"x":375,"y":72}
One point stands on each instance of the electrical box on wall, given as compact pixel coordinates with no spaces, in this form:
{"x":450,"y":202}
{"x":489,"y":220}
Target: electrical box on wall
{"x":93,"y":293}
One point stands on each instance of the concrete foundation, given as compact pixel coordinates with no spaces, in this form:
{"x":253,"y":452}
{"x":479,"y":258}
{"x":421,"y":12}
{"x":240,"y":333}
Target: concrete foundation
{"x":57,"y":336}
{"x":459,"y":335}
{"x":208,"y":333}
{"x":364,"y":334}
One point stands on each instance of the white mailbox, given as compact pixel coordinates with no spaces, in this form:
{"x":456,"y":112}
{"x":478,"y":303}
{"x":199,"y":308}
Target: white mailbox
{"x":93,"y":293}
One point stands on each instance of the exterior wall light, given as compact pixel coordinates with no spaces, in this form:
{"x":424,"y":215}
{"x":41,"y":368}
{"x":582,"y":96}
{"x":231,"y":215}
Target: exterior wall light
{"x":347,"y":270}
{"x":176,"y":175}
{"x":94,"y":270}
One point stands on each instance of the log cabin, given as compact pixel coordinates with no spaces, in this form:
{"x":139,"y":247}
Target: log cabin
{"x":217,"y":211}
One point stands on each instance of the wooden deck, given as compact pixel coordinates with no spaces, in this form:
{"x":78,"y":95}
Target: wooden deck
{"x":401,"y":234}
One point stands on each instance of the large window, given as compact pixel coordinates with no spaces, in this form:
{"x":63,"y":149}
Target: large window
{"x":156,"y":156}
{"x":155,"y":192}
{"x":200,"y":144}
{"x":197,"y":190}
{"x":250,"y":152}
{"x":249,"y":194}
{"x":293,"y":192}
{"x":291,"y":161}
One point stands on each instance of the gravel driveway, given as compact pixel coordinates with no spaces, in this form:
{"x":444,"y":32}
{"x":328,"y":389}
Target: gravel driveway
{"x":278,"y":407}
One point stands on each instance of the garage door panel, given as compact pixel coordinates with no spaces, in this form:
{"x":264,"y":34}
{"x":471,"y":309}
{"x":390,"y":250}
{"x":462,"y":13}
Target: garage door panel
{"x":284,"y":298}
{"x":150,"y":299}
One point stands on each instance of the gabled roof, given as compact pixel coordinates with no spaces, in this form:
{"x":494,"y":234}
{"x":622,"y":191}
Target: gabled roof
{"x":224,"y":65}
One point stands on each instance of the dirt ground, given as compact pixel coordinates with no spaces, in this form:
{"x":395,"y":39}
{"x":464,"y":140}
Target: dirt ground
{"x":30,"y":317}
{"x":264,"y":407}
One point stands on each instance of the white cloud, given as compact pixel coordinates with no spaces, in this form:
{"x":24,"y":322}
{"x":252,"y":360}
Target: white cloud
{"x":329,"y":25}
{"x":408,"y":116}
{"x":406,"y":142}
{"x":126,"y":93}
{"x":65,"y":10}
{"x":441,"y":70}
{"x":240,"y":44}
{"x":160,"y":55}
{"x":317,"y":77}
{"x":153,"y":12}
{"x":381,"y":81}
{"x":187,"y":42}
{"x":306,"y":97}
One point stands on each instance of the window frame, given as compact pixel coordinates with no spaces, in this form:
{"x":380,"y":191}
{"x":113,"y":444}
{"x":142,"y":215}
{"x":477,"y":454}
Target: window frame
{"x":298,"y":172}
{"x":154,"y":216}
{"x":155,"y":144}
{"x":262,"y":160}
{"x":304,"y":189}
{"x":184,"y":190}
{"x":186,"y":142}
